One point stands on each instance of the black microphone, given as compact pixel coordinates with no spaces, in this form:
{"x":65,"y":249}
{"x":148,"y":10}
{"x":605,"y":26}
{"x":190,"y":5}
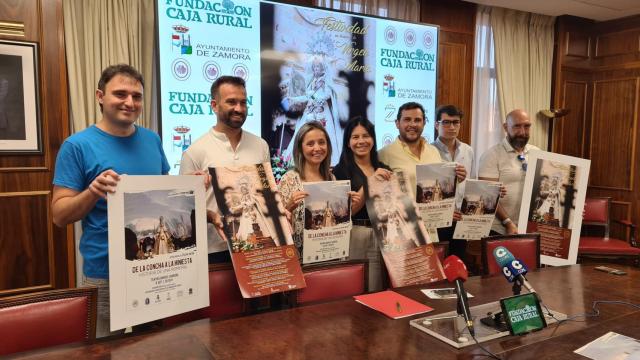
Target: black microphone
{"x":457,"y":273}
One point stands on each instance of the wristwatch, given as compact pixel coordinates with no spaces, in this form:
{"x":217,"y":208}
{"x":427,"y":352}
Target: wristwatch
{"x":506,"y":222}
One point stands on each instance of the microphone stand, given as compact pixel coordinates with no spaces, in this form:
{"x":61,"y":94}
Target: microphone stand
{"x":517,"y":287}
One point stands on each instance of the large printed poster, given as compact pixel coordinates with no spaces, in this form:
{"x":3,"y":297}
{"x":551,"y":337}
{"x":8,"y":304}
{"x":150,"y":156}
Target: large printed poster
{"x":264,"y":257}
{"x":436,"y":193}
{"x":327,"y":221}
{"x":157,"y":248}
{"x":552,"y":201}
{"x":406,"y":248}
{"x":479,"y":205}
{"x":300,"y":64}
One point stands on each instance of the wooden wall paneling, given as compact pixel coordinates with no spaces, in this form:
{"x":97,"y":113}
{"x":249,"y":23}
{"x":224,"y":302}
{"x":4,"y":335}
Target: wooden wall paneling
{"x":35,"y":254}
{"x":456,"y":43}
{"x":568,"y":131}
{"x":613,"y":133}
{"x":26,"y":254}
{"x":577,"y":44}
{"x":620,"y":210}
{"x":617,"y":43}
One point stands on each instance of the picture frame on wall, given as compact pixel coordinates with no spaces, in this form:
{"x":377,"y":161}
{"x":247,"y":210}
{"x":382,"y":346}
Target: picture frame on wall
{"x":20,"y":119}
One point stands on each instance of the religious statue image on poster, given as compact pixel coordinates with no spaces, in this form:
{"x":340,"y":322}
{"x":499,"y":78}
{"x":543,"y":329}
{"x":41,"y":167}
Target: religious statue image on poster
{"x":555,"y":185}
{"x":146,"y":235}
{"x":436,"y":193}
{"x":405,"y":245}
{"x":327,"y":221}
{"x":479,"y":204}
{"x":256,"y":230}
{"x":157,"y":248}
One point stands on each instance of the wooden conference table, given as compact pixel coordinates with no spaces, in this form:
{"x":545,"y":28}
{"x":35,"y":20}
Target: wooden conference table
{"x":348,"y":330}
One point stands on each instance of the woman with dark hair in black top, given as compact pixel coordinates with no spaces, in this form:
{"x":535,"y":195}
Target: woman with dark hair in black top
{"x":359,"y":160}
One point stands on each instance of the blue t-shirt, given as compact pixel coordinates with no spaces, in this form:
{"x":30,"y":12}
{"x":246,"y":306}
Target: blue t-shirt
{"x":84,"y":156}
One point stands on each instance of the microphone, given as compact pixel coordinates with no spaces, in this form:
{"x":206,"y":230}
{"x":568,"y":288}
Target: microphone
{"x":512,"y":268}
{"x":457,"y":273}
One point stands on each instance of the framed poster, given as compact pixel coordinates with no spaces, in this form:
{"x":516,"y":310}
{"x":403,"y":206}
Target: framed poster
{"x":157,"y":248}
{"x":552,"y":201}
{"x":20,"y":125}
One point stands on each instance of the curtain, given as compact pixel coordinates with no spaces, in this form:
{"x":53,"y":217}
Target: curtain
{"x":398,"y":9}
{"x":486,"y":128}
{"x":100,"y":33}
{"x":524,"y":55}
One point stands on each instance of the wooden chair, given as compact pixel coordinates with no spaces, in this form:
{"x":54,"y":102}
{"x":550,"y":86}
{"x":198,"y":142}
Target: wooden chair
{"x":47,"y":318}
{"x":525,"y":247}
{"x":225,"y":299}
{"x":331,"y":281}
{"x":601,"y":245}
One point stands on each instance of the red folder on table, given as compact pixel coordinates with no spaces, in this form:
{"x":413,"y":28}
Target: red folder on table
{"x":392,"y":304}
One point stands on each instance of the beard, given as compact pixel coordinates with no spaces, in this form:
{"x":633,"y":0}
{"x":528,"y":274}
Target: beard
{"x":234,"y":124}
{"x":518,"y":142}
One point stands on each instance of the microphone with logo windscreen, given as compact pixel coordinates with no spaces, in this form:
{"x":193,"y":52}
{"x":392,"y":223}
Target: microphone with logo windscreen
{"x":457,"y":273}
{"x":512,"y":268}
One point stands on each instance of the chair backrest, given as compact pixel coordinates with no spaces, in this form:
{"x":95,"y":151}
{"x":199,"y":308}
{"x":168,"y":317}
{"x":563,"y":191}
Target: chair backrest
{"x":525,"y":247}
{"x":47,"y":318}
{"x":225,"y":298}
{"x":333,"y":281}
{"x":596,"y":212}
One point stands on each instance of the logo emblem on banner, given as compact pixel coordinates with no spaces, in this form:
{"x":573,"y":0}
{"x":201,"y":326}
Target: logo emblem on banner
{"x":180,"y":40}
{"x":387,"y":139}
{"x":410,"y":37}
{"x":390,"y":35}
{"x":241,"y":71}
{"x":389,"y":86}
{"x":180,"y":138}
{"x":390,"y":113}
{"x":428,"y":39}
{"x":211,"y":71}
{"x":181,"y":69}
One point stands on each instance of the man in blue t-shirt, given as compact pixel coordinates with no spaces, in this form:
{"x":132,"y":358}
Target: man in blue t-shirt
{"x":88,"y":167}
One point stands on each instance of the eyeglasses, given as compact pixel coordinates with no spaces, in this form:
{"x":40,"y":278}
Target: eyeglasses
{"x":523,"y":160}
{"x":449,"y":122}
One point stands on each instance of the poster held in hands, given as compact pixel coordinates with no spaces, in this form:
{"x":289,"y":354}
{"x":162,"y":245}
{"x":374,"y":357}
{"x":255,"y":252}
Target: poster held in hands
{"x":257,"y":232}
{"x":406,"y":248}
{"x":157,"y":248}
{"x":327,"y":221}
{"x":478,"y":209}
{"x":436,"y":193}
{"x":555,"y":188}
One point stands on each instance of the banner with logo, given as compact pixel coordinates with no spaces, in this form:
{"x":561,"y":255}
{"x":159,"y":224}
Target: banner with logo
{"x":327,"y":221}
{"x":264,"y":256}
{"x":301,"y":64}
{"x":405,"y":245}
{"x":479,"y":204}
{"x":555,"y":187}
{"x":157,"y":248}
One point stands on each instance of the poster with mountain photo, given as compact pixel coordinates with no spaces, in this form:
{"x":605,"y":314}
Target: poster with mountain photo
{"x":436,"y":193}
{"x":327,"y":221}
{"x":479,"y":205}
{"x":157,"y":248}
